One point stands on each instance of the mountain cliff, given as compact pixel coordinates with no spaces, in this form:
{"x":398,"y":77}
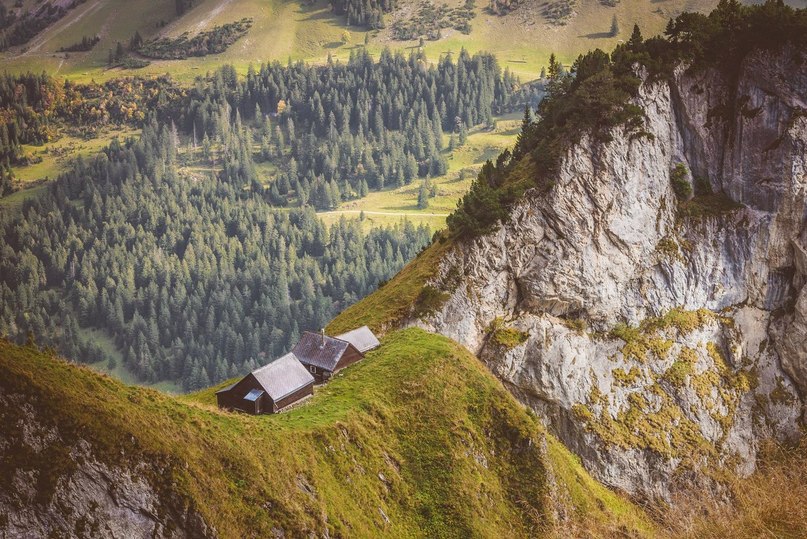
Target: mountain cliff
{"x":634,"y":274}
{"x":658,"y":334}
{"x":646,"y":296}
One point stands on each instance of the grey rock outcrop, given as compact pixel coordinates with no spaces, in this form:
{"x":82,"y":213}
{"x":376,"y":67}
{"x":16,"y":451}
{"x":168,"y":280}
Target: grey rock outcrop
{"x":657,"y":338}
{"x":54,"y":487}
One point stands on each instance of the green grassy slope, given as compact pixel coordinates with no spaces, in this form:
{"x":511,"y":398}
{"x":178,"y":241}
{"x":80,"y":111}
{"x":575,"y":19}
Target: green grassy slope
{"x":418,"y":430}
{"x":390,"y":206}
{"x":282,"y":29}
{"x":285,"y":29}
{"x":393,"y":302}
{"x":111,"y":20}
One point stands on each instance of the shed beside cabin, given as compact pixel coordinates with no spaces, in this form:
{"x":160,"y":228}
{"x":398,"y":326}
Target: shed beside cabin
{"x":269,"y":389}
{"x":323,"y":355}
{"x":362,"y":338}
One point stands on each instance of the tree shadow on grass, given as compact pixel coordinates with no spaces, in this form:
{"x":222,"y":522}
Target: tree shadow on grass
{"x":597,"y":35}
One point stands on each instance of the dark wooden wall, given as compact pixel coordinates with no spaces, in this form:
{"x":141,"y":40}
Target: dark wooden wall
{"x":350,"y":357}
{"x":234,"y":398}
{"x":294,"y":397}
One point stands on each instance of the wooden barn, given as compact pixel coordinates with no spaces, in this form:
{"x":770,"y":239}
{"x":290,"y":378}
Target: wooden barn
{"x":323,"y":355}
{"x":362,"y":338}
{"x":269,"y":389}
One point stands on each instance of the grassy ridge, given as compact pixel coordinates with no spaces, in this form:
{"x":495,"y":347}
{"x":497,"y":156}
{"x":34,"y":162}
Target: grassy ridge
{"x":418,"y":432}
{"x":393,"y":302}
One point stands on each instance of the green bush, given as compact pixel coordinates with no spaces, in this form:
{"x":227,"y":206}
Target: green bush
{"x":504,"y":336}
{"x":680,"y":183}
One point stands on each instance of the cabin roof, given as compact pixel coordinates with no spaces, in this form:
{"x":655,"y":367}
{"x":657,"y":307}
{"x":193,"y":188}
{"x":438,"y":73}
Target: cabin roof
{"x":226,"y":389}
{"x":283,"y":377}
{"x":320,"y":350}
{"x":362,"y":338}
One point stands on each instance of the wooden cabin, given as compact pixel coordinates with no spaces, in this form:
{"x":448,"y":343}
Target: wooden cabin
{"x":362,"y":338}
{"x":269,"y":389}
{"x":323,"y":355}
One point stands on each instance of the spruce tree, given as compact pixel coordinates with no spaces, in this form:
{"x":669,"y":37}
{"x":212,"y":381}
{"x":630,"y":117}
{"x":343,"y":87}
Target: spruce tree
{"x":423,"y":196}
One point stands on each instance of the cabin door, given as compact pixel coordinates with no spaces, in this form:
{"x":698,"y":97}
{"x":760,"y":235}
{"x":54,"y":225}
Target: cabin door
{"x":258,"y":408}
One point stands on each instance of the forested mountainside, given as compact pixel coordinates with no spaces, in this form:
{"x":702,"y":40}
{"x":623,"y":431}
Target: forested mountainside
{"x":197,"y":276}
{"x":194,"y":278}
{"x":634,"y":271}
{"x":340,"y":130}
{"x":384,"y":124}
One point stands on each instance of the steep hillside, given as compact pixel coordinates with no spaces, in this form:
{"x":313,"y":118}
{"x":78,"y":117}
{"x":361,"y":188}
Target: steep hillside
{"x":522,"y":38}
{"x":417,"y":439}
{"x":110,"y":20}
{"x":659,"y":333}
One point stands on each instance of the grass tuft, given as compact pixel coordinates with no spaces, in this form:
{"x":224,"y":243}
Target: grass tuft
{"x":503,"y":336}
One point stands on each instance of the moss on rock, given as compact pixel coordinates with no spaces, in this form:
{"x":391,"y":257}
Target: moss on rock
{"x":506,"y":337}
{"x":626,"y":378}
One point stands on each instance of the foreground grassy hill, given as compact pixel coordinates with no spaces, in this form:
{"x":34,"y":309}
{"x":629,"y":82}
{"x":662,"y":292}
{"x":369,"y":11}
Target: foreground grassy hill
{"x":417,"y":440}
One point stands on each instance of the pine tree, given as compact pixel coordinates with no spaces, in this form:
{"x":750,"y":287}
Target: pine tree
{"x":524,"y":138}
{"x":635,"y":41}
{"x":423,"y":196}
{"x":463,"y":137}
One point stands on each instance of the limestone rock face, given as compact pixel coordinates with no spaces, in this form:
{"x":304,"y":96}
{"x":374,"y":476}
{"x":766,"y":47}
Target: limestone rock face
{"x":55,"y":487}
{"x":657,"y":337}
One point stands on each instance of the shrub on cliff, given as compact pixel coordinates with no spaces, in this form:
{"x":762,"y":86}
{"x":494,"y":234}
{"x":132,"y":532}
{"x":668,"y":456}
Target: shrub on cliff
{"x":680,"y":183}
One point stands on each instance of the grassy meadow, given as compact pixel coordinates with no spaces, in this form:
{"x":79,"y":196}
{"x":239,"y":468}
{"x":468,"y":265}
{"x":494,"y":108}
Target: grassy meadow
{"x":392,"y":205}
{"x":290,"y":29}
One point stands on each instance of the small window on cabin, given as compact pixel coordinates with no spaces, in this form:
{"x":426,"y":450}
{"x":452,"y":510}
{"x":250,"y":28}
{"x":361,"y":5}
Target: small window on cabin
{"x":313,"y":369}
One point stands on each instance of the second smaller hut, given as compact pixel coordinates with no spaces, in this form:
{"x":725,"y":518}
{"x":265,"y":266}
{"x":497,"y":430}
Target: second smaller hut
{"x":323,"y":355}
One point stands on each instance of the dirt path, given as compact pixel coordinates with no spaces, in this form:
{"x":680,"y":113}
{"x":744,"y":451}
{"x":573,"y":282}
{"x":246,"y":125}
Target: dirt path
{"x":402,"y":214}
{"x":172,"y":26}
{"x":64,"y":23}
{"x":213,"y":13}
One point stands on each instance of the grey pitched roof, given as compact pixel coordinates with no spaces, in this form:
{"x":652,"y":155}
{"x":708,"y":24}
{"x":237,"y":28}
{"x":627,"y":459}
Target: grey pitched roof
{"x":228,"y":388}
{"x":362,"y":338}
{"x":320,"y":350}
{"x":283,"y":377}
